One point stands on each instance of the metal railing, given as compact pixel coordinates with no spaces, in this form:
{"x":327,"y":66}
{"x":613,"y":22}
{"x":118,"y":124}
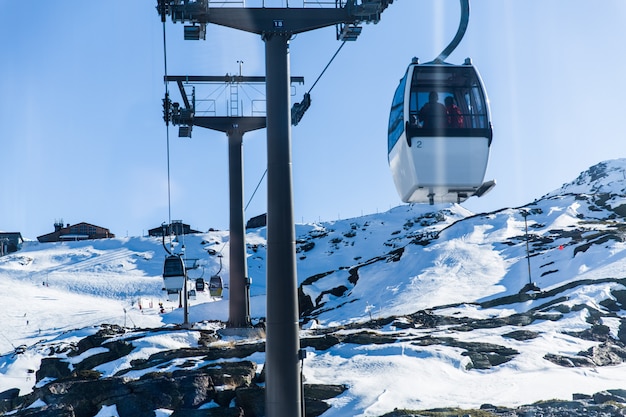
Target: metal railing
{"x":278,"y":3}
{"x":226,"y":3}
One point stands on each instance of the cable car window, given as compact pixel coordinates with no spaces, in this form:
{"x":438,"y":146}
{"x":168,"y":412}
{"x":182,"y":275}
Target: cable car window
{"x":479,"y":108}
{"x":396,"y":117}
{"x":454,"y":117}
{"x":470,"y":113}
{"x":460,"y":86}
{"x":173,"y":266}
{"x":432,"y":112}
{"x":413,"y":106}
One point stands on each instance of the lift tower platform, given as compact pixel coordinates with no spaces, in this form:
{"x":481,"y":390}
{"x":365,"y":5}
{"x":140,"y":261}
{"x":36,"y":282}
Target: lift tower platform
{"x":235,"y":121}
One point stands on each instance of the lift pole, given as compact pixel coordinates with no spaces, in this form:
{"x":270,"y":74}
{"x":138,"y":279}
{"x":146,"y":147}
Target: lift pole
{"x":276,"y":26}
{"x":238,"y":302}
{"x":282,"y":346}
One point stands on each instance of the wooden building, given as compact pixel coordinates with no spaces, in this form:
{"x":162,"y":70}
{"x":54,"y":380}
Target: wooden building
{"x":79,"y":231}
{"x":10,"y":242}
{"x":177,"y":228}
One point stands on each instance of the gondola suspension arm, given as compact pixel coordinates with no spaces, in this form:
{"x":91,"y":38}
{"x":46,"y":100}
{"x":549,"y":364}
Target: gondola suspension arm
{"x":459,"y":33}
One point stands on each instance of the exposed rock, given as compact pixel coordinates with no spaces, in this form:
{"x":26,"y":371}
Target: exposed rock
{"x":323,"y":392}
{"x":621,"y":334}
{"x":568,"y":361}
{"x":229,"y":384}
{"x":521,"y":335}
{"x":605,"y":404}
{"x":205,"y":353}
{"x":211,"y":412}
{"x":252,"y":401}
{"x":596,"y":333}
{"x":605,"y":354}
{"x":368,"y":338}
{"x":116,"y":350}
{"x":9,"y":394}
{"x":323,"y":342}
{"x":314,"y":396}
{"x":482,"y":355}
{"x":105,"y":333}
{"x":84,"y":397}
{"x":53,"y":368}
{"x":615,"y":395}
{"x":620,"y":297}
{"x":49,"y":411}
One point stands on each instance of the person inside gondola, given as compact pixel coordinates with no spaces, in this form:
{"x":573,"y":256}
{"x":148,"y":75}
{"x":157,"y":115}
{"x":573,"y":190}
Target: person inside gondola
{"x":455,"y":118}
{"x":433,"y":114}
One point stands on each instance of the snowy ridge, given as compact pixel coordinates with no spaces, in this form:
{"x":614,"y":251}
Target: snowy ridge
{"x":434,"y":289}
{"x":605,"y":177}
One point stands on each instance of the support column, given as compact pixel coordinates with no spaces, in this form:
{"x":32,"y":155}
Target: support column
{"x":283,"y":385}
{"x":238,"y":300}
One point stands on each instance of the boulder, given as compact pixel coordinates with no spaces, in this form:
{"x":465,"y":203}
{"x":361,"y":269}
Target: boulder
{"x":52,"y":368}
{"x":9,"y":394}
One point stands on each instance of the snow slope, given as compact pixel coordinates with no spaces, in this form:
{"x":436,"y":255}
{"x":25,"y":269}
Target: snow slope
{"x":442,"y":259}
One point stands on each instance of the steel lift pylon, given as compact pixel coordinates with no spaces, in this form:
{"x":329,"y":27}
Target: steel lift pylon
{"x":283,"y":390}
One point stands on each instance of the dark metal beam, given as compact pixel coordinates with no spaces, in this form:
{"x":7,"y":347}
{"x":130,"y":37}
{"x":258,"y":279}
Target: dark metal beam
{"x":183,"y":94}
{"x":223,"y":79}
{"x":238,"y":301}
{"x":282,"y":370}
{"x":235,"y":127}
{"x":226,"y":124}
{"x":274,"y":20}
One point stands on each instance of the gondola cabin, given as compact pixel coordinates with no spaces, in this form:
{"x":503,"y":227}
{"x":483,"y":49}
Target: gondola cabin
{"x":216,"y":286}
{"x":173,"y":295}
{"x":439,"y":134}
{"x":200,"y":284}
{"x":173,"y":274}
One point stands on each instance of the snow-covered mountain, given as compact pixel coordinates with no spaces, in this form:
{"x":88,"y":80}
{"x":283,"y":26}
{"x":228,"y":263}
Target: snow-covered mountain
{"x":417,"y":307}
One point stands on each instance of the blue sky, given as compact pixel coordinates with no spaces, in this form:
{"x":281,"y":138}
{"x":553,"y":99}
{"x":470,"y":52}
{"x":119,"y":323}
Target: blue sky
{"x":82,"y":137}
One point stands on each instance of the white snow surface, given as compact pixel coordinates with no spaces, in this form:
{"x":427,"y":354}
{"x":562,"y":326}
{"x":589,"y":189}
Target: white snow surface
{"x":53,"y":294}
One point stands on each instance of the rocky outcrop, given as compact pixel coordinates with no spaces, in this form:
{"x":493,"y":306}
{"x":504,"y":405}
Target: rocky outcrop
{"x":217,"y":378}
{"x":204,"y":375}
{"x":609,"y":403}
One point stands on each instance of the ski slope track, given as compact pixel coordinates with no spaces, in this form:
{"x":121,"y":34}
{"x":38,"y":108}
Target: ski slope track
{"x":416,"y":308}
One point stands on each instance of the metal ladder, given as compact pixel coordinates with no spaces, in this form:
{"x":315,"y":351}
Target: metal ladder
{"x":234,"y":100}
